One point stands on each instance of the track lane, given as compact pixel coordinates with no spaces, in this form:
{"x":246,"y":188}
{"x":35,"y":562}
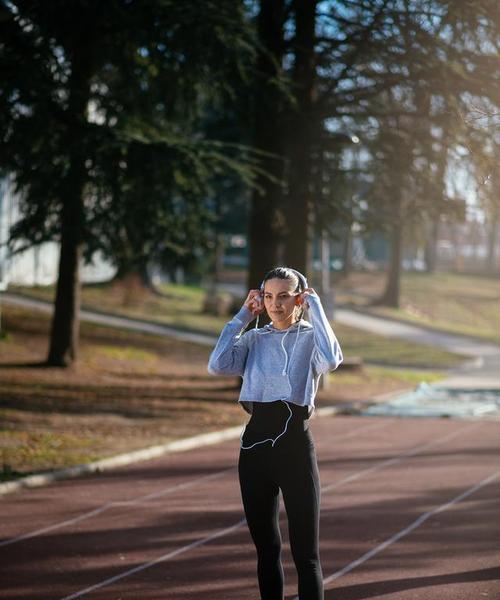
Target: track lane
{"x":105,"y":549}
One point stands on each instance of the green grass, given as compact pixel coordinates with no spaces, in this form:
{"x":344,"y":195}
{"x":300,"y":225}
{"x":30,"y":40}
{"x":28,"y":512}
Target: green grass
{"x":128,"y":353}
{"x":454,"y":303}
{"x":411,"y":377}
{"x":373,"y":348}
{"x":177,"y":306}
{"x":40,"y":450}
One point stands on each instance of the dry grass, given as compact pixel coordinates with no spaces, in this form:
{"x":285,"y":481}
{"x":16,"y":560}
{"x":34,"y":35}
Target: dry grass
{"x":463,"y":304}
{"x":127,"y":391}
{"x":182,"y":307}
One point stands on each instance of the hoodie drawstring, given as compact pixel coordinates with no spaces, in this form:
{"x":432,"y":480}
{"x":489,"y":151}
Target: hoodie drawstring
{"x":284,"y":372}
{"x":285,"y":368}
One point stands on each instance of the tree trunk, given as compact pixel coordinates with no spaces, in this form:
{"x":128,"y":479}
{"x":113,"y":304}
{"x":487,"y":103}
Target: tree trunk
{"x":132,"y":282}
{"x":391,"y":296}
{"x":65,"y":322}
{"x":137,"y":270}
{"x":298,"y":250}
{"x":347,"y":250}
{"x":492,"y":241}
{"x":265,"y":233}
{"x":431,"y":247}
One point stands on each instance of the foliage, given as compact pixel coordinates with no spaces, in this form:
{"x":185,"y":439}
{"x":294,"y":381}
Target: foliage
{"x":149,"y":169}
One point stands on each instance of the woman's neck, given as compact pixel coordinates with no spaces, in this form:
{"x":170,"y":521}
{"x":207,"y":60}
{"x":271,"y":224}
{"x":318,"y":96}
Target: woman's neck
{"x":284,"y":324}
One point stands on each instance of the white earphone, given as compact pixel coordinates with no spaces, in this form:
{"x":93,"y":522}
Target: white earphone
{"x":303,"y":281}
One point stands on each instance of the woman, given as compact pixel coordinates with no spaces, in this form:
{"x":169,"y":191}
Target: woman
{"x":280,"y":364}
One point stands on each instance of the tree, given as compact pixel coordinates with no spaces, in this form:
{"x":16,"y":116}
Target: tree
{"x":343,"y":61}
{"x":301,"y":125}
{"x":104,"y":87}
{"x":269,"y":100}
{"x":434,"y":66}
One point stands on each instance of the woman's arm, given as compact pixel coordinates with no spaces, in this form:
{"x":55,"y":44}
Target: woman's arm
{"x":327,"y":354}
{"x":230,"y":353}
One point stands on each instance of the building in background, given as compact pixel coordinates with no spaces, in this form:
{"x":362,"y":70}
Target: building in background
{"x":37,"y":265}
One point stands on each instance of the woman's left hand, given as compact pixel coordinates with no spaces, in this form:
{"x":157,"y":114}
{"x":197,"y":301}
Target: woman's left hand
{"x":303,"y":296}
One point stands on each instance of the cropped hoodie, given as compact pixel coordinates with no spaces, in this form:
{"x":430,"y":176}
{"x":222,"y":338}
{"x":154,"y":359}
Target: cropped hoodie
{"x":277,"y":364}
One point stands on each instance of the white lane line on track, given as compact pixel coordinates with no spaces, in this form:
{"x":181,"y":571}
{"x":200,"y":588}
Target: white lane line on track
{"x":114,"y":504}
{"x":398,"y":459}
{"x":357,"y":431}
{"x":163,"y":492}
{"x":240,"y":523}
{"x":160,"y":559}
{"x":397,"y":536}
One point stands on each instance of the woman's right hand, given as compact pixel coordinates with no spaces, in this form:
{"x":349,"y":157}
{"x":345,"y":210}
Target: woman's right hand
{"x":254,"y":302}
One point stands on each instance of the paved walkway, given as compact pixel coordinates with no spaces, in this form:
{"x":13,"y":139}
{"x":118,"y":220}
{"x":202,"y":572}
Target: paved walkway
{"x":482,"y":373}
{"x":419,"y":335}
{"x":101,"y":318}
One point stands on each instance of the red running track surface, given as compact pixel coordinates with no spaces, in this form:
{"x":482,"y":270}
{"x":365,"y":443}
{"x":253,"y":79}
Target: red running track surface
{"x":409,"y":510}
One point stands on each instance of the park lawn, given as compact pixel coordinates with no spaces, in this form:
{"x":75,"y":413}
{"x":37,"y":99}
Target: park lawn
{"x":450,"y":302}
{"x":181,"y":307}
{"x":127,"y":391}
{"x":379,"y":350}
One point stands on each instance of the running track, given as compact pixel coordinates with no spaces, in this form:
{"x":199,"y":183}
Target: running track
{"x":410,"y":509}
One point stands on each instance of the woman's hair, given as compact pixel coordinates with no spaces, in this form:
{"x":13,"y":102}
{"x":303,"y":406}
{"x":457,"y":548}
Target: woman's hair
{"x":286,"y":273}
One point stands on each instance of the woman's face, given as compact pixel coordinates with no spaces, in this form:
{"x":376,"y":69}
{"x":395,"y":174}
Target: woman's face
{"x":280,"y":301}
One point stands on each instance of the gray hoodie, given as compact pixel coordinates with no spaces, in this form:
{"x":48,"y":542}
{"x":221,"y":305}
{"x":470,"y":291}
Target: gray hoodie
{"x":277,"y":364}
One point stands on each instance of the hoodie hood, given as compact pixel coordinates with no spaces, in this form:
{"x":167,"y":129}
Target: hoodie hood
{"x":270,"y":328}
{"x":272,"y":365}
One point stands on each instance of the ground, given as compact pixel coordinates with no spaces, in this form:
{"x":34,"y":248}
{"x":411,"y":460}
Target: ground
{"x":467,"y":304}
{"x":127,"y":391}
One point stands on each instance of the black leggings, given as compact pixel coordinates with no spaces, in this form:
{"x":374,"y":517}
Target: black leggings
{"x":289,"y":465}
